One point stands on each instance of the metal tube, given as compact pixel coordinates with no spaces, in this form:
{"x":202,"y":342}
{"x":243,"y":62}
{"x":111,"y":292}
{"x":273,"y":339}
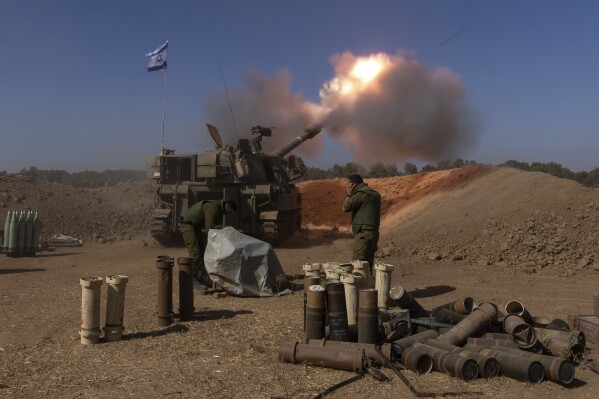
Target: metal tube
{"x":513,"y":366}
{"x":13,"y":229}
{"x":447,"y":316}
{"x":337,"y":312}
{"x":475,"y":322}
{"x":405,"y":301}
{"x":115,"y":307}
{"x":416,"y":361}
{"x":522,"y":333}
{"x":402,"y":344}
{"x":368,"y":317}
{"x":488,"y":343}
{"x":28,"y":232}
{"x":517,"y":308}
{"x":308,"y":282}
{"x":378,"y":354}
{"x":561,"y":343}
{"x":460,"y":306}
{"x":186,"y":308}
{"x":315,"y":313}
{"x":556,"y":369}
{"x":312,"y":269}
{"x":383,"y":283}
{"x":335,"y":358}
{"x":164,"y":308}
{"x":90,"y":309}
{"x":487,"y":366}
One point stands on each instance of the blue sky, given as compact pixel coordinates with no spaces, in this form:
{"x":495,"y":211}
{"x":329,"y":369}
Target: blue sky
{"x":75,"y":94}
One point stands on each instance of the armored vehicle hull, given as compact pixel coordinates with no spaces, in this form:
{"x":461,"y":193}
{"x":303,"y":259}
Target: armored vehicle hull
{"x":269,"y":205}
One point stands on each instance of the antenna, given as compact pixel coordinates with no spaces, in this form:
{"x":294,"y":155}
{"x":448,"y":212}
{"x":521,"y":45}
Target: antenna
{"x":227,"y":93}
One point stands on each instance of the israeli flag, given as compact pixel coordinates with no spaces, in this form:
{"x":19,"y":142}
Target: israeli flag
{"x":158,"y":58}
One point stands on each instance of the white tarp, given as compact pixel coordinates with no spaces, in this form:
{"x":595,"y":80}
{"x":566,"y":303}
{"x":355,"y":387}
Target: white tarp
{"x":242,"y":265}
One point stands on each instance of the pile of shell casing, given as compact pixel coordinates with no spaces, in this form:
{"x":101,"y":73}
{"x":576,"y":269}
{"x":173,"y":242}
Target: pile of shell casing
{"x":349,"y":324}
{"x":21,"y":233}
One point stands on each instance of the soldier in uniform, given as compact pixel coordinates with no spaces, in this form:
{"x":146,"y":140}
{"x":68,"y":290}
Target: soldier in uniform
{"x":194,"y":226}
{"x":365,"y":205}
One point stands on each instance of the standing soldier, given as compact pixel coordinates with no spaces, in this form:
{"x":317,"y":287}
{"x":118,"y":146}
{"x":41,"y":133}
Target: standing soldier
{"x":365,"y":205}
{"x":194,"y":226}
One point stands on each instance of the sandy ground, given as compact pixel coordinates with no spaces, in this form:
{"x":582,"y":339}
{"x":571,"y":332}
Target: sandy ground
{"x":491,"y":234}
{"x":231,"y":349}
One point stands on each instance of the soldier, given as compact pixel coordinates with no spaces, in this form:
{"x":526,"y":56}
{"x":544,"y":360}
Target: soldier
{"x":194,"y":226}
{"x":365,"y":205}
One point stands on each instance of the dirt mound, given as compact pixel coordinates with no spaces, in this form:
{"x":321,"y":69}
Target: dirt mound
{"x":101,"y":214}
{"x":489,"y":216}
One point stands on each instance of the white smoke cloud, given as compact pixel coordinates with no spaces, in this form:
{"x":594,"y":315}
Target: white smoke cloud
{"x":384,"y":108}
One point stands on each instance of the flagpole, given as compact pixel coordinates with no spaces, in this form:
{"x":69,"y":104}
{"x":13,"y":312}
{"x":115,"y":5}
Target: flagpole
{"x":163,"y":112}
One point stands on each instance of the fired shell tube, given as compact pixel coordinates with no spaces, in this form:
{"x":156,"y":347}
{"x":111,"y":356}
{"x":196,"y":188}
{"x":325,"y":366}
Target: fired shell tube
{"x":6,"y":230}
{"x":447,"y":316}
{"x":488,"y":343}
{"x":438,"y":355}
{"x":496,"y":336}
{"x":402,"y":344}
{"x":405,"y":301}
{"x":362,"y":268}
{"x":368,"y":316}
{"x":558,"y":324}
{"x":475,"y":322}
{"x":382,"y":283}
{"x":335,"y":358}
{"x":308,"y":282}
{"x":540,"y":322}
{"x":461,"y":367}
{"x":28,"y":232}
{"x":315,"y":313}
{"x":513,"y":366}
{"x":115,"y":307}
{"x":90,"y":310}
{"x":186,"y":308}
{"x":556,"y":369}
{"x":164,"y":265}
{"x":312,"y":269}
{"x":371,"y":351}
{"x":416,"y":361}
{"x":562,"y":343}
{"x":461,"y":306}
{"x":337,"y":312}
{"x":351,"y":282}
{"x":522,"y":333}
{"x":517,"y":308}
{"x":487,"y":366}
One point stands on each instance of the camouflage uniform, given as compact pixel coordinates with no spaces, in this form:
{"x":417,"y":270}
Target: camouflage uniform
{"x":194,"y":226}
{"x":365,"y":205}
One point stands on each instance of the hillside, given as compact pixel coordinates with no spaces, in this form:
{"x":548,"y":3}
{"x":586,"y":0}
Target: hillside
{"x":489,"y":216}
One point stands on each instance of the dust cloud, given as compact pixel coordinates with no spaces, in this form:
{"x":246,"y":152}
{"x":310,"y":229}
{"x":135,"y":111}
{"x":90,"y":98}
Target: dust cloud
{"x":382,"y":107}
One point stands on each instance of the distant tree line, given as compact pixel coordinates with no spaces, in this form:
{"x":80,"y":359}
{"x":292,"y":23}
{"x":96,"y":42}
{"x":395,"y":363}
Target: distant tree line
{"x":85,"y":178}
{"x":589,"y":179}
{"x":379,"y":169}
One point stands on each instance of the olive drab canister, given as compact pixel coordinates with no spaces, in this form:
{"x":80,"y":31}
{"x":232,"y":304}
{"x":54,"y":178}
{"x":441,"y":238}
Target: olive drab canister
{"x":186,"y":308}
{"x":337,"y":312}
{"x":164,"y":307}
{"x":315,"y":312}
{"x":368,"y":316}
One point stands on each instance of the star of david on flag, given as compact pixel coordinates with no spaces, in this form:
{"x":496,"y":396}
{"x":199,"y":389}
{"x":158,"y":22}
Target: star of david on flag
{"x":158,"y":58}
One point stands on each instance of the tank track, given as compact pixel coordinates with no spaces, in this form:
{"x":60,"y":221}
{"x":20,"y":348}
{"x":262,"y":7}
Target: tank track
{"x":278,"y":231}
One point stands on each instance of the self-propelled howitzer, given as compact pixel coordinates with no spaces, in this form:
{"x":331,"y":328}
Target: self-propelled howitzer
{"x":269,"y":204}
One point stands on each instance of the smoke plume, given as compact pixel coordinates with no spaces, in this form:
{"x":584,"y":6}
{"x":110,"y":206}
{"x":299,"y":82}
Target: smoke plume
{"x":270,"y":103}
{"x":384,"y":108}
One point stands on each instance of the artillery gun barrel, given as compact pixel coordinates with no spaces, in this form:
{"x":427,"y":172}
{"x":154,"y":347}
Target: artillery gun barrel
{"x":290,"y":146}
